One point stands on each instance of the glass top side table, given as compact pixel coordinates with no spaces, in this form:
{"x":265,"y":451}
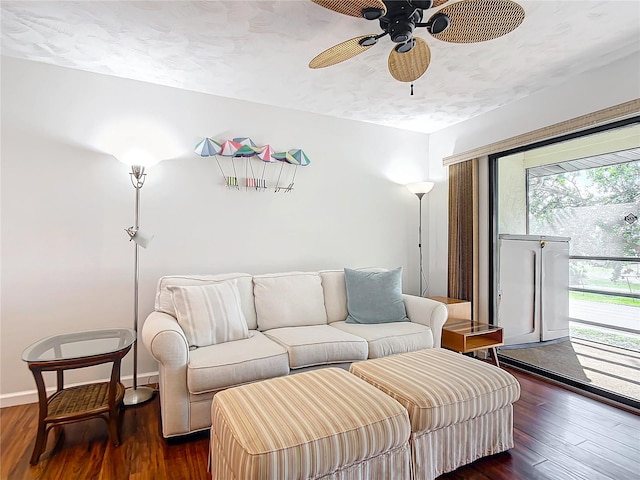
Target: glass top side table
{"x":67,"y":405}
{"x":466,"y":336}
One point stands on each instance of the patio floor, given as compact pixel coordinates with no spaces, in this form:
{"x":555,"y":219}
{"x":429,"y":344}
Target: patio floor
{"x":603,"y":349}
{"x":604,"y":366}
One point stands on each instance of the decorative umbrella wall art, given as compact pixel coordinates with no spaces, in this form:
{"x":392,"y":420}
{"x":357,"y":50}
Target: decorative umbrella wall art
{"x":229,"y":149}
{"x":208,"y":148}
{"x":248,"y":150}
{"x":244,"y":147}
{"x":211,"y":148}
{"x":294,"y":157}
{"x":266,"y":154}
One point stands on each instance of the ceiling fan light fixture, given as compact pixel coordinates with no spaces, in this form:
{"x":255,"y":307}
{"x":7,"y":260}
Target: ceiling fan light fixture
{"x":422,"y":4}
{"x":368,"y":41}
{"x":406,"y":47}
{"x":372,"y":13}
{"x":438,"y":23}
{"x":401,"y":30}
{"x":460,"y":21}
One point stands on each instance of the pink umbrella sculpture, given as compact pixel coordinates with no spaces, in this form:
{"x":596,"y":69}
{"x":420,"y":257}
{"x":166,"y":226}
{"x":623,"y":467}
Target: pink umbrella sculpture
{"x":228,"y":148}
{"x":266,"y":154}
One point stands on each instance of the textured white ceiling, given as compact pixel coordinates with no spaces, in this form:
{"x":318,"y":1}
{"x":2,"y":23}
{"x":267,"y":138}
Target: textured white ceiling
{"x":259,"y":51}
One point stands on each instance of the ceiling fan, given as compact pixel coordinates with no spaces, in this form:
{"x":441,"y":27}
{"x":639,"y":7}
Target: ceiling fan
{"x":466,"y":21}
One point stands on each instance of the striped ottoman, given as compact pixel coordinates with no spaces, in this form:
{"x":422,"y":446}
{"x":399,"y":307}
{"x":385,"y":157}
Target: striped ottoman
{"x":322,"y":424}
{"x":460,"y":408}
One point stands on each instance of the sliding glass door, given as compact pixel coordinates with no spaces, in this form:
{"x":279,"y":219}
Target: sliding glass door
{"x":583,"y":190}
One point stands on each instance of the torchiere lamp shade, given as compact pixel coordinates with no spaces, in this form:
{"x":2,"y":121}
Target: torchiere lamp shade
{"x":420,"y":188}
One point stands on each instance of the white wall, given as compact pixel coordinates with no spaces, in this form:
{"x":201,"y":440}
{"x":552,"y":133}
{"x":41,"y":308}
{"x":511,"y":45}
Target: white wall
{"x":66,"y":261}
{"x":616,"y":83}
{"x":512,"y":195}
{"x":67,"y":265}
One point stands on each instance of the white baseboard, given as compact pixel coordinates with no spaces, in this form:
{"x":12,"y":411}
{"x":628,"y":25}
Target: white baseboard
{"x":31,"y":396}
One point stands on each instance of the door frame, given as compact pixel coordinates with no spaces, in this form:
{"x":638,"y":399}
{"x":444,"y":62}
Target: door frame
{"x":493,"y":245}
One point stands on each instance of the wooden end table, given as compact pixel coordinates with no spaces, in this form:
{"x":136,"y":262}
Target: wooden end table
{"x":467,"y":336}
{"x":457,"y":309}
{"x":67,"y":405}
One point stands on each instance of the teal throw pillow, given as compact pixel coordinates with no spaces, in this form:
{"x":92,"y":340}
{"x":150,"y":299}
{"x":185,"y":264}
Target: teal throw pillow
{"x":374,"y":297}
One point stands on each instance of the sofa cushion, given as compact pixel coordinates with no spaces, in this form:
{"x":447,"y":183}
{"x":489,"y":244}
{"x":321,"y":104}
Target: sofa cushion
{"x":164,"y":299}
{"x":234,"y":363}
{"x":335,"y":294}
{"x":390,"y":338}
{"x":289,"y":300}
{"x":210,"y":314}
{"x":319,"y":345}
{"x":375,"y":297}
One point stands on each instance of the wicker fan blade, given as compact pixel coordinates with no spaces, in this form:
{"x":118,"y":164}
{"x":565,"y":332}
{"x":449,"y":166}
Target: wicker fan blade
{"x":353,"y":8}
{"x":407,"y":67}
{"x":438,"y":3}
{"x":480,"y":20}
{"x":340,"y":52}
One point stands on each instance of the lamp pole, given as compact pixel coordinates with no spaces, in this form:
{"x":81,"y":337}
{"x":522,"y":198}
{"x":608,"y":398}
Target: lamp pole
{"x":136,"y":395}
{"x":420,"y":195}
{"x":419,"y":189}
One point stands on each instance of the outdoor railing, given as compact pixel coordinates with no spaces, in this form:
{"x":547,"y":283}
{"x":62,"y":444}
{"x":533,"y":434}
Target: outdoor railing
{"x":605,"y":292}
{"x":630,"y":277}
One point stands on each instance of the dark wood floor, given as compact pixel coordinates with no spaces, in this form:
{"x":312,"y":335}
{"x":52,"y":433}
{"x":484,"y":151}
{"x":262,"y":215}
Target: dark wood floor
{"x":559,"y":434}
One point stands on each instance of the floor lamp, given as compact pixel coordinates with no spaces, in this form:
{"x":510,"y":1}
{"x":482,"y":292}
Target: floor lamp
{"x":420,"y":189}
{"x":136,"y":395}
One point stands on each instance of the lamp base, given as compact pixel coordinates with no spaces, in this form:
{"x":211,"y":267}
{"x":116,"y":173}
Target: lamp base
{"x":137,"y":396}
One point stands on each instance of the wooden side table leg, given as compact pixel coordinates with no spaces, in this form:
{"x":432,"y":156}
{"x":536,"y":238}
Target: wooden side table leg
{"x":41,"y":435}
{"x":114,"y":434}
{"x":41,"y":441}
{"x":495,"y":356}
{"x":114,"y":404}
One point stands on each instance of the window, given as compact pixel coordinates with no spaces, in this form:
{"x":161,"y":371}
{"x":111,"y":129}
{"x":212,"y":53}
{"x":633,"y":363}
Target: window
{"x":587,"y":187}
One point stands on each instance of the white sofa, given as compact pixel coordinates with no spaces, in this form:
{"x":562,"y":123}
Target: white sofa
{"x":295,"y":320}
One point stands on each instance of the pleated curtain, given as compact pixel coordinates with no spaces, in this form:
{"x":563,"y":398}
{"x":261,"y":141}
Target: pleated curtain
{"x":463,"y":232}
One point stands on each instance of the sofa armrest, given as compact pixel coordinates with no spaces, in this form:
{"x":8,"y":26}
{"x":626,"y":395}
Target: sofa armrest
{"x":427,"y":312}
{"x":165,"y":340}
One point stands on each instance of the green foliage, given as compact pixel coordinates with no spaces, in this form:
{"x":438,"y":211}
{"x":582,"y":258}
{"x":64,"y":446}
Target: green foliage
{"x":551,"y":196}
{"x":616,"y":184}
{"x":596,"y":186}
{"x":596,"y":297}
{"x":555,"y":191}
{"x":630,"y":342}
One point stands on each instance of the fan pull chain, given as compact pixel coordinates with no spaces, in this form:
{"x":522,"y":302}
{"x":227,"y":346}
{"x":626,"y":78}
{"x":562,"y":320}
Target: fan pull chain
{"x":411,"y":88}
